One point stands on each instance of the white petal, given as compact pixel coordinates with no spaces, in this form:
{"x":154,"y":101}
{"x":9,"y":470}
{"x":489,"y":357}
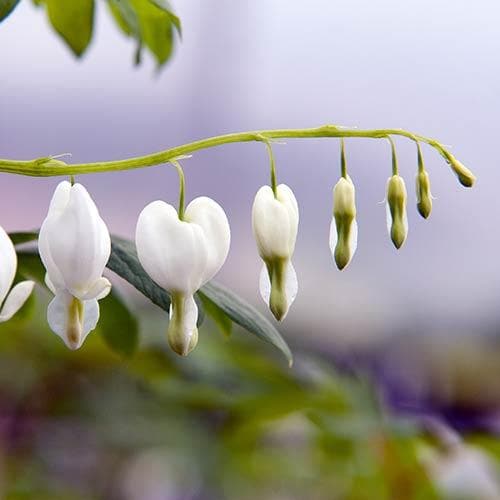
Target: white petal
{"x":16,"y":299}
{"x":333,"y":237}
{"x":98,"y":291}
{"x":210,"y":216}
{"x":264,"y":284}
{"x":8,"y":264}
{"x":173,"y":252}
{"x":353,"y":239}
{"x":291,"y":285}
{"x":388,"y":218}
{"x":49,"y":284}
{"x":61,"y":322}
{"x":275,"y":222}
{"x":74,"y":242}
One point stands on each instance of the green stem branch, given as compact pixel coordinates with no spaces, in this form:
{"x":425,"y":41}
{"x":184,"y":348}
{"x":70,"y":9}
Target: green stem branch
{"x":49,"y":166}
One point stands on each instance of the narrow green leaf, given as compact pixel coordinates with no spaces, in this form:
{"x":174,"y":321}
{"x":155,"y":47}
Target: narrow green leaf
{"x":18,"y":238}
{"x":221,"y":319}
{"x":73,"y":20}
{"x":118,"y":326}
{"x":246,"y":316}
{"x":6,"y":7}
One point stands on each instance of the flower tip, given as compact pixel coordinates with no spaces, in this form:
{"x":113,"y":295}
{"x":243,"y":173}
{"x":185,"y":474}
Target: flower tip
{"x":182,"y":344}
{"x":465,"y":176}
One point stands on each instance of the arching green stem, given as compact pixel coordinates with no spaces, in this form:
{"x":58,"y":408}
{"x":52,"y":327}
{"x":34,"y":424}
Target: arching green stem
{"x":395,"y":168}
{"x":50,"y":166}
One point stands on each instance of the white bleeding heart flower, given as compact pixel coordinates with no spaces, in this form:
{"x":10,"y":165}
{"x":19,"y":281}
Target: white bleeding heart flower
{"x":275,"y":221}
{"x":14,"y":299}
{"x":74,"y":246}
{"x":181,"y":256}
{"x":343,"y":228}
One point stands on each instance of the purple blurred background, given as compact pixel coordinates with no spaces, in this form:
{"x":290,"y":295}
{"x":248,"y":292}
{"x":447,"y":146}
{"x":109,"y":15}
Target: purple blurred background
{"x":430,"y":67}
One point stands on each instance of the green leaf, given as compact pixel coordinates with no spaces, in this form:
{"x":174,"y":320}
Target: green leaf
{"x":246,"y":316}
{"x":29,"y":266}
{"x":73,"y":20}
{"x":118,"y":326}
{"x":6,"y":7}
{"x":18,"y":238}
{"x":156,"y":28}
{"x":221,"y":319}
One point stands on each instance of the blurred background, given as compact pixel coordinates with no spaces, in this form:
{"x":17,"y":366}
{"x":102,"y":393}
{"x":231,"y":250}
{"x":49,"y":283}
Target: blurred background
{"x":414,"y":333}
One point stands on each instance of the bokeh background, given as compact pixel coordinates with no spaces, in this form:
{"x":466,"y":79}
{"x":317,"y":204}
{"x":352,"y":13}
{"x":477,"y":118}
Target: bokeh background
{"x":423,"y":320}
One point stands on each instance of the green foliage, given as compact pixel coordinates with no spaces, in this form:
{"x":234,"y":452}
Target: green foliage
{"x":73,"y":21}
{"x":222,"y":321}
{"x":118,"y":325}
{"x":6,"y":7}
{"x":151,"y":23}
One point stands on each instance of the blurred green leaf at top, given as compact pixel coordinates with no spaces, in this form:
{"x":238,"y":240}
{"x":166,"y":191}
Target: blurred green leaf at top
{"x":6,"y":7}
{"x":151,"y":23}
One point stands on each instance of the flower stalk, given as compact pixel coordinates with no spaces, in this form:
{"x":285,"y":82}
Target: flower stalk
{"x":50,"y":166}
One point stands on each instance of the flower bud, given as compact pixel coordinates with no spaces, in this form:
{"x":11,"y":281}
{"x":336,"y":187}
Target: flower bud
{"x":424,"y":196}
{"x":275,"y":223}
{"x":344,"y":228}
{"x":397,"y":220}
{"x":465,"y":176}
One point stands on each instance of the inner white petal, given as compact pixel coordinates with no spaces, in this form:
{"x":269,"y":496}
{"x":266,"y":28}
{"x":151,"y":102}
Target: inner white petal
{"x":16,"y":299}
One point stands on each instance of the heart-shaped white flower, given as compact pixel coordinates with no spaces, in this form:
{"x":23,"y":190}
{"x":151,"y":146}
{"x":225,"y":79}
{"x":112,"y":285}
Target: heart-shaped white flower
{"x":181,"y":256}
{"x":275,"y":221}
{"x":74,"y":246}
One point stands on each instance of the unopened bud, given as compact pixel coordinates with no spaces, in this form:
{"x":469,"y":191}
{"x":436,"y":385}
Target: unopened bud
{"x":424,"y":196}
{"x":344,"y":228}
{"x":397,"y":220}
{"x":465,"y":176}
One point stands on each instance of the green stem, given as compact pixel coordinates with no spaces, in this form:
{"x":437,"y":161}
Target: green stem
{"x":395,"y":169}
{"x":421,"y":167}
{"x":48,"y":166}
{"x":274,"y":179}
{"x":182,"y":188}
{"x":343,"y":167}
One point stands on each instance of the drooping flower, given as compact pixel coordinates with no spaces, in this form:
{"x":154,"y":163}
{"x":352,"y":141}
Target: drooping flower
{"x":181,"y":256}
{"x":344,"y":228}
{"x":275,"y":221}
{"x":397,"y":218}
{"x":14,"y":299}
{"x":74,"y":246}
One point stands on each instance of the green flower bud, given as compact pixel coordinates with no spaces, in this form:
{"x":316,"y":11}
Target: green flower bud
{"x":344,"y":228}
{"x":397,"y":219}
{"x":424,"y":196}
{"x":465,"y":176}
